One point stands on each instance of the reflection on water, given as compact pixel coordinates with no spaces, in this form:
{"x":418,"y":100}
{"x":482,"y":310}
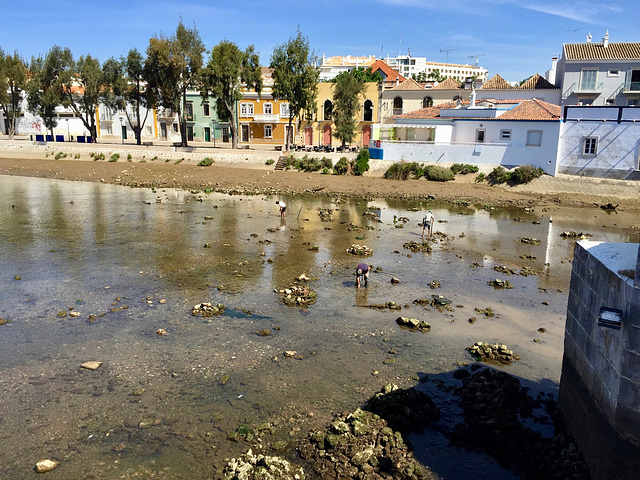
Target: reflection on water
{"x":130,"y":262}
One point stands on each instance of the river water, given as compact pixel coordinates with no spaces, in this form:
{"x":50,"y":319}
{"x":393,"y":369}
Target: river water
{"x":122,"y":263}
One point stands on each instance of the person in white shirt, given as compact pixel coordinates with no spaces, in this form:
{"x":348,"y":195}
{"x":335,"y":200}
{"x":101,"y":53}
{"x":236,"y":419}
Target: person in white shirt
{"x":427,"y":224}
{"x":283,"y":207}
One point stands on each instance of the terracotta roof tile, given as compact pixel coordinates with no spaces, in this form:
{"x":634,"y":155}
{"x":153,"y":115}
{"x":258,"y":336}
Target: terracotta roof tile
{"x":408,"y":84}
{"x":496,"y":83}
{"x":597,"y":51}
{"x":389,"y":72}
{"x":537,"y":83}
{"x":533,"y":109}
{"x":448,"y":84}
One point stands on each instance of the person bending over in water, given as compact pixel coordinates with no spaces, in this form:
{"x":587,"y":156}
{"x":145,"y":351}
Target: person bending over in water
{"x":427,"y":224}
{"x":362,"y":275}
{"x":283,"y":207}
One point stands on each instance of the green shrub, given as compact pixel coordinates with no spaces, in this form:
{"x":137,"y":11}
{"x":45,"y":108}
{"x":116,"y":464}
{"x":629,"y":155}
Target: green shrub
{"x":361,"y":164}
{"x":76,"y":156}
{"x":206,"y":162}
{"x":128,"y":157}
{"x":480,"y":178}
{"x":499,"y":175}
{"x":403,"y":170}
{"x":438,"y":174}
{"x":60,"y":155}
{"x":178,"y":161}
{"x":271,"y":161}
{"x":341,"y":167}
{"x":463,"y":169}
{"x":325,"y":170}
{"x":326,"y":163}
{"x":167,"y":160}
{"x":525,"y":174}
{"x":114,"y":157}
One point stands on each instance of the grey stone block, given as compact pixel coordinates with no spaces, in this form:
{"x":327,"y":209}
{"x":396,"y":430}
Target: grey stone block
{"x":629,"y":394}
{"x":631,"y":366}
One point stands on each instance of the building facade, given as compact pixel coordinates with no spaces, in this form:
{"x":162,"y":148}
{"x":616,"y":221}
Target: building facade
{"x":599,"y":73}
{"x":409,"y":66}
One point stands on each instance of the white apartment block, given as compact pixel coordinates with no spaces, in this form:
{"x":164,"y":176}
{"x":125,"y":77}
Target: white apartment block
{"x":407,"y":66}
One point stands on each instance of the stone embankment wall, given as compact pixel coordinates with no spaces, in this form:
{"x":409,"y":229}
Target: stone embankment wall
{"x":600,"y":385}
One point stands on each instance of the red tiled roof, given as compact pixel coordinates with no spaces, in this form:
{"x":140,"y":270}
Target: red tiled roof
{"x":496,"y":83}
{"x":597,"y":51}
{"x":533,"y":109}
{"x":448,"y":84}
{"x":408,"y":84}
{"x":537,"y":83}
{"x":525,"y":110}
{"x":388,"y":72}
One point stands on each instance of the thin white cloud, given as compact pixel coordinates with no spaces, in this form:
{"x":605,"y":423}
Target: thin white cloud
{"x":579,"y":11}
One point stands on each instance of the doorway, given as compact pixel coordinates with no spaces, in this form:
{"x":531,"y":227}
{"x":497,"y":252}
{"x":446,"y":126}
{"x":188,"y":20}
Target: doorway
{"x":207,"y":134}
{"x":244,"y":133}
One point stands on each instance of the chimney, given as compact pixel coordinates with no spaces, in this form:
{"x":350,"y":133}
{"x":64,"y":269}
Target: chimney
{"x":605,"y":40}
{"x":589,"y":38}
{"x":550,"y":75}
{"x":472,"y":99}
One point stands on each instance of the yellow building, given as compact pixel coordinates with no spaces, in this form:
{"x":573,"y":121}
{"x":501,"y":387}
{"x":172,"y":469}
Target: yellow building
{"x":319,"y":132}
{"x":263,"y":119}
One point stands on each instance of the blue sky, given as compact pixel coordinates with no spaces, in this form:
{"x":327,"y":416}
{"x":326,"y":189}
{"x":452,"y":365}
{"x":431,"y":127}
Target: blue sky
{"x":514,"y":38}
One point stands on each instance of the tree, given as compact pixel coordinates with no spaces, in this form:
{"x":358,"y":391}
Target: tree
{"x":435,"y":74}
{"x":84,"y":89}
{"x":366,"y":75}
{"x":347,"y":94}
{"x":228,"y":70}
{"x":44,"y":88}
{"x":127,"y":87}
{"x":295,"y":78}
{"x":135,"y":93}
{"x":173,"y":65}
{"x":13,"y":80}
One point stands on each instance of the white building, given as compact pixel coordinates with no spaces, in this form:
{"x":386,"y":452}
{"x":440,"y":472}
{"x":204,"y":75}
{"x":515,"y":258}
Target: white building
{"x":331,"y":67}
{"x":600,"y":142}
{"x":498,"y":132}
{"x":408,"y":66}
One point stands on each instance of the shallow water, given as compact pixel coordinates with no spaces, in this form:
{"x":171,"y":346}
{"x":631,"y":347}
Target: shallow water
{"x":136,"y":260}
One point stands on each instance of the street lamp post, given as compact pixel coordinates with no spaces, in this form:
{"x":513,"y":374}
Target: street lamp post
{"x":214,"y":133}
{"x":121,"y":129}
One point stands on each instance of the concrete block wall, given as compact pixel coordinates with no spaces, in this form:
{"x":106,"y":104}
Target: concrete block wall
{"x":600,"y":385}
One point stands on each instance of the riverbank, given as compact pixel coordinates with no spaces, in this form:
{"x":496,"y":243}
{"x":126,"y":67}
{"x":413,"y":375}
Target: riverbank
{"x":247,"y":172}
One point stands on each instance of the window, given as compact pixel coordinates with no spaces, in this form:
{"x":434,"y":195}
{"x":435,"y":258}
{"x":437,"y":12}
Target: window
{"x":588,"y":80}
{"x":427,"y":102}
{"x":189,"y":110}
{"x":328,"y":109}
{"x":534,"y":138}
{"x":397,"y":106}
{"x":613,"y":73}
{"x":368,"y":111}
{"x":175,"y":128}
{"x":246,"y":109}
{"x":590,"y":146}
{"x":284,"y":110}
{"x":268,"y":131}
{"x":149,"y":130}
{"x":505,"y":134}
{"x":267,"y":109}
{"x":480,"y":136}
{"x":205,"y":109}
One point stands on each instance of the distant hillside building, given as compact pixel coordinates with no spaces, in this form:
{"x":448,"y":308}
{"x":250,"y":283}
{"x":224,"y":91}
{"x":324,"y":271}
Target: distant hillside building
{"x":409,"y":66}
{"x":331,"y":67}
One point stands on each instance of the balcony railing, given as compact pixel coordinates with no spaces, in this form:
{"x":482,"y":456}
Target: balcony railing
{"x":397,"y":111}
{"x":589,"y":87}
{"x":265,"y":117}
{"x":632,"y":86}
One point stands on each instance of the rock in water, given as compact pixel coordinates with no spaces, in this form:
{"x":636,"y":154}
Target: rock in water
{"x":46,"y":465}
{"x":92,"y":365}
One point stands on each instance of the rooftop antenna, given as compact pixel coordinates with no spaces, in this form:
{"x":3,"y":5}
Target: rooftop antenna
{"x":476,"y":57}
{"x":447,"y":50}
{"x":383,"y":37}
{"x":574,"y":32}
